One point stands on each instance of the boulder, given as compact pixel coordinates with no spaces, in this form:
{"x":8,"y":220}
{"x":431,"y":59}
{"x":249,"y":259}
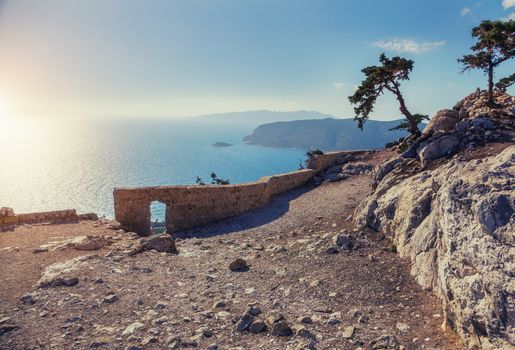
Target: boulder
{"x":62,"y":274}
{"x":163,"y":243}
{"x":88,"y":243}
{"x":443,"y":120}
{"x":435,"y":149}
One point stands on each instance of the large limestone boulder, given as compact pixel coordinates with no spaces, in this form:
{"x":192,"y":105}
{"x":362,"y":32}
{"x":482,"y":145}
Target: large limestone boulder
{"x":457,"y":225}
{"x":443,"y":120}
{"x":438,"y":148}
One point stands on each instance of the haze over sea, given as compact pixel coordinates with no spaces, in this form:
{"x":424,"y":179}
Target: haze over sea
{"x":60,"y":166}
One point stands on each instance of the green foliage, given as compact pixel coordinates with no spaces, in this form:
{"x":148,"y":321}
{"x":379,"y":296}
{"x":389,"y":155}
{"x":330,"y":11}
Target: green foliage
{"x":504,"y":83}
{"x":199,"y":181}
{"x":215,"y":180}
{"x":404,"y":125}
{"x":312,"y":153}
{"x":387,"y":76}
{"x":495,"y":45}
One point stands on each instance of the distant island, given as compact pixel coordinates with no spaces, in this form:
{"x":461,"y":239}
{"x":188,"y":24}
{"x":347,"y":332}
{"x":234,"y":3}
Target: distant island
{"x":325,"y":134}
{"x":252,"y":119}
{"x":222,"y":144}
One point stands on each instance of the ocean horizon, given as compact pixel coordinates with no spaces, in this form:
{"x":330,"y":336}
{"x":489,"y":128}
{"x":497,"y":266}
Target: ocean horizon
{"x":78,"y":165}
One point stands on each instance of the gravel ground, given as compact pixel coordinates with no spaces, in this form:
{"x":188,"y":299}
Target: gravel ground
{"x":297,"y":281}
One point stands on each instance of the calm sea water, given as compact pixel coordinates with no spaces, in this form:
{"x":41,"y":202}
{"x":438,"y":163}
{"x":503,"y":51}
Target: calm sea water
{"x":50,"y":167}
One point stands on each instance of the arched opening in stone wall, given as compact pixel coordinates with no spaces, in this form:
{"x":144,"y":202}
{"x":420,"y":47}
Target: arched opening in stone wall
{"x":157,"y":217}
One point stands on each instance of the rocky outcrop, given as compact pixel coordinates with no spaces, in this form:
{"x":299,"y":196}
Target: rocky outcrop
{"x":455,"y":220}
{"x":457,"y":225}
{"x":470,"y":125}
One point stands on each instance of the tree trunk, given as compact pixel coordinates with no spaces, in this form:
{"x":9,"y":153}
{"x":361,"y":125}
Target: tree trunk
{"x":413,"y":127}
{"x":490,"y":84}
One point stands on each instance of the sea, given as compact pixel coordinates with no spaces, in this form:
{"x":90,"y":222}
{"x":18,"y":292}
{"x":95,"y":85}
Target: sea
{"x":60,"y":165}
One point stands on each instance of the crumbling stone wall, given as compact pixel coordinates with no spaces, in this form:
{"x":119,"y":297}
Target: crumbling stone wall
{"x":191,"y":206}
{"x":8,"y":217}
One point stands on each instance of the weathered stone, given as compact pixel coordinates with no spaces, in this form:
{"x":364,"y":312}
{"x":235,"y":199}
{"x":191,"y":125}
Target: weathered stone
{"x":111,"y":298}
{"x":161,"y":243}
{"x":457,"y":227}
{"x":258,"y":326}
{"x":305,"y":320}
{"x":305,"y":333}
{"x":441,"y":147}
{"x":244,"y":322}
{"x":27,"y":298}
{"x":219,"y":304}
{"x":444,"y":120}
{"x":88,"y":243}
{"x":254,"y":310}
{"x":130,"y":329}
{"x":238,"y":265}
{"x":344,"y":241}
{"x":58,"y":274}
{"x":402,"y":327}
{"x":385,"y":342}
{"x":331,"y":250}
{"x":348,"y":332}
{"x":6,"y":328}
{"x":281,"y":329}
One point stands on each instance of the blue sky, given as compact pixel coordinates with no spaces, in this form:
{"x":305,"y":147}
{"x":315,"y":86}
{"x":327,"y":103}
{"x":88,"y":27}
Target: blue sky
{"x":122,"y":58}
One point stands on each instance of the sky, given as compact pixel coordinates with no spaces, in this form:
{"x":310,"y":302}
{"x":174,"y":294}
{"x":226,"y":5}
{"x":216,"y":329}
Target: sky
{"x":178,"y":58}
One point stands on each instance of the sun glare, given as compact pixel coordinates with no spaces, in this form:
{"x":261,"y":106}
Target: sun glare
{"x":10,"y":126}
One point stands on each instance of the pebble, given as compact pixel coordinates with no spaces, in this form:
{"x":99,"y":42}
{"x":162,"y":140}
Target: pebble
{"x":258,"y":326}
{"x":111,"y":298}
{"x":219,"y":304}
{"x":348,"y":332}
{"x":244,"y":322}
{"x":305,"y":320}
{"x":132,"y":328}
{"x":239,"y":265}
{"x":281,"y":329}
{"x":331,"y":250}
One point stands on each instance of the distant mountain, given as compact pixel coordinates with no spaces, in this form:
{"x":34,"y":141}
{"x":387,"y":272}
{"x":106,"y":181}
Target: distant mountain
{"x":325,"y":134}
{"x":255,"y":118}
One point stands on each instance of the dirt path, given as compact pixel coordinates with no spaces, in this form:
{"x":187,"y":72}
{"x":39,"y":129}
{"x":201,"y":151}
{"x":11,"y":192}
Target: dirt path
{"x":362,"y":298}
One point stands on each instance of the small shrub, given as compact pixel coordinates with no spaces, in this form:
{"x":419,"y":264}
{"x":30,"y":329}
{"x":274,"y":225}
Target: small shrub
{"x":315,"y":152}
{"x":199,"y":181}
{"x":215,"y":180}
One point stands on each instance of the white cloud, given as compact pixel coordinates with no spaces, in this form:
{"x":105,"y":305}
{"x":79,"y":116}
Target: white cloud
{"x":465,"y":11}
{"x":355,"y":87}
{"x":408,"y":45}
{"x":338,"y":86}
{"x":508,"y":4}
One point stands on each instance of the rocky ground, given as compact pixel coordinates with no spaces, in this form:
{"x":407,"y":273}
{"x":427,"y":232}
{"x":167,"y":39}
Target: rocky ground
{"x":308,"y":281}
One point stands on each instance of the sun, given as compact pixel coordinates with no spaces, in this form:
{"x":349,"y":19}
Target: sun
{"x":10,"y":126}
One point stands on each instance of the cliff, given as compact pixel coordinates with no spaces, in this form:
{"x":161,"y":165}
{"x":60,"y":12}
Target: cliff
{"x":454,"y":218}
{"x":325,"y":134}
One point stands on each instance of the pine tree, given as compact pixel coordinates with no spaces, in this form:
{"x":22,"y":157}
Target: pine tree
{"x":495,"y":45}
{"x":378,"y":78}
